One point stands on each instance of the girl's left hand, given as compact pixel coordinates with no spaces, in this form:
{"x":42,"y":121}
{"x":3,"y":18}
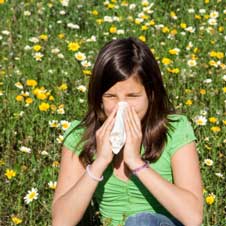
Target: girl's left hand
{"x":131,"y":152}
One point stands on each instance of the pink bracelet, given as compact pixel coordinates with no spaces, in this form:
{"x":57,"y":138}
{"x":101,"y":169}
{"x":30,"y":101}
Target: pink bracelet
{"x":91,"y":175}
{"x":136,"y":170}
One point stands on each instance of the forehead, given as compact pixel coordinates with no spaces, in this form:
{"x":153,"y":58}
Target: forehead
{"x":132,"y":84}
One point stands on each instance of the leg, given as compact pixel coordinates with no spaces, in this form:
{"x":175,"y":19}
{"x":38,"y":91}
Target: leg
{"x":149,"y":219}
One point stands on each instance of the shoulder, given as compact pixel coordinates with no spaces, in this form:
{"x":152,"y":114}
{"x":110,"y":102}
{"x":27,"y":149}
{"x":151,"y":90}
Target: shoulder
{"x":72,"y":135}
{"x":180,"y":132}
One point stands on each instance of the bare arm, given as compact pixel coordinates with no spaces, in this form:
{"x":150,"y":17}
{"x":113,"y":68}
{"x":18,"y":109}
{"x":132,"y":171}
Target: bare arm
{"x":183,"y":199}
{"x":74,"y":189}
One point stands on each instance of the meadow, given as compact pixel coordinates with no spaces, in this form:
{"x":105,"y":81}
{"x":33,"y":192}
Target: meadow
{"x":47,"y":51}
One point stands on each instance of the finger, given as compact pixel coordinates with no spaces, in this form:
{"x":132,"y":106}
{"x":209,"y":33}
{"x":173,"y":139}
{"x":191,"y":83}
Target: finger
{"x":109,"y":119}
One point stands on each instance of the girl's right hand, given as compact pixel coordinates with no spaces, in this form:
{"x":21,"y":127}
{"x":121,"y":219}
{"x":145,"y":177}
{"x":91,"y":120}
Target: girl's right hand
{"x":103,"y":145}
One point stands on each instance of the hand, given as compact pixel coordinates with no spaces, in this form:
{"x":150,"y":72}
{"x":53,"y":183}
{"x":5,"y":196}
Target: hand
{"x":131,"y":153}
{"x":104,"y":150}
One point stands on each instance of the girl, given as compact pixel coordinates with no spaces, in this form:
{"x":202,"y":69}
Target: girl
{"x":155,"y":178}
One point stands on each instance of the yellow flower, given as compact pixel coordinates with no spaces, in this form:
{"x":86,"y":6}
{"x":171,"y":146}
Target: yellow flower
{"x":188,"y":102}
{"x":44,"y":106}
{"x":183,"y":25}
{"x":202,"y":91}
{"x":61,"y":36}
{"x":51,"y":98}
{"x":63,"y":87}
{"x":95,"y":13}
{"x":224,"y":122}
{"x":2,"y":2}
{"x":207,"y":1}
{"x":144,"y":27}
{"x":215,"y":129}
{"x":220,"y":55}
{"x":19,"y":98}
{"x":165,"y":29}
{"x":173,"y":32}
{"x":31,"y":82}
{"x":221,"y":29}
{"x":213,"y":54}
{"x":53,"y":107}
{"x":166,"y":61}
{"x":198,"y":17}
{"x":142,"y":38}
{"x":113,"y":29}
{"x":174,"y":51}
{"x":73,"y":46}
{"x":10,"y":173}
{"x":151,"y":22}
{"x":173,"y":70}
{"x":16,"y":220}
{"x":210,"y":199}
{"x":43,"y":37}
{"x":99,"y":21}
{"x":87,"y":72}
{"x":110,"y":6}
{"x":28,"y":100}
{"x":37,"y":48}
{"x":55,"y":164}
{"x":213,"y":119}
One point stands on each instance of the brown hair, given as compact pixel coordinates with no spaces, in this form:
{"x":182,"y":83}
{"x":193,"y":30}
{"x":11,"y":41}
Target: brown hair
{"x":117,"y":61}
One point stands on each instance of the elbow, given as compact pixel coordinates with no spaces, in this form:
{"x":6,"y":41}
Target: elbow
{"x":194,"y":219}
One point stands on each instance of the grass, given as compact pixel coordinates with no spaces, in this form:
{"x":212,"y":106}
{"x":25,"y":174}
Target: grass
{"x":194,"y":77}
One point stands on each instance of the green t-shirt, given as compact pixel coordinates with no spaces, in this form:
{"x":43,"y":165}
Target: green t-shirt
{"x":119,"y":199}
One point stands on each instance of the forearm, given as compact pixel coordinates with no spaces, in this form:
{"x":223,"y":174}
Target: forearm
{"x":69,"y":209}
{"x":181,"y":203}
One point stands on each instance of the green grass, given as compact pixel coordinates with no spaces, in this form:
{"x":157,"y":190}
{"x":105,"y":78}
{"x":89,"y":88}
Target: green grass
{"x":25,"y":125}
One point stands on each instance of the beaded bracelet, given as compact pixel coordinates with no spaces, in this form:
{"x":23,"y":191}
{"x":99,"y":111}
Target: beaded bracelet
{"x":92,"y":176}
{"x":136,"y":170}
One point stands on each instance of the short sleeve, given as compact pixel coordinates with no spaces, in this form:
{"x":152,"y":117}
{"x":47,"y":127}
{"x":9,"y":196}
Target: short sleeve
{"x":72,"y":138}
{"x":180,"y":133}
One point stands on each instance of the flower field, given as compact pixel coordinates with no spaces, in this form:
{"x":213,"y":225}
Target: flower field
{"x":47,"y":51}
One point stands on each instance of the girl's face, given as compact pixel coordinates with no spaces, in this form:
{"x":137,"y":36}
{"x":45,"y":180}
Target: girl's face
{"x":131,"y":91}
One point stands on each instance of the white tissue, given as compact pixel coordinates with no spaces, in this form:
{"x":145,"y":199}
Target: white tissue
{"x":118,"y":134}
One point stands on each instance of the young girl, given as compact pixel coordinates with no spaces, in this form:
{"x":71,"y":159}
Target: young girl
{"x":155,"y":178}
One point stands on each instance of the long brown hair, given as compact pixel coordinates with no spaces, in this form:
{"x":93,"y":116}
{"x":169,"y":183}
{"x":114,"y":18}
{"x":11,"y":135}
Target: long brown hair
{"x":117,"y":61}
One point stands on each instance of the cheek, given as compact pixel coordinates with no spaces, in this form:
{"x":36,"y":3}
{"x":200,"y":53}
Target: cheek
{"x":108,"y":107}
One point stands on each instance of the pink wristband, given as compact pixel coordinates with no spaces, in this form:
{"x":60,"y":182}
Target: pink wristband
{"x":92,"y":176}
{"x":136,"y":170}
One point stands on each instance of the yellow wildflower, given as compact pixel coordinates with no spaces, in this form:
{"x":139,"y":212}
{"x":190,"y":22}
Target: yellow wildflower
{"x":183,"y":25}
{"x":144,"y":27}
{"x":173,"y":70}
{"x":55,"y":164}
{"x":202,"y":91}
{"x":142,"y":38}
{"x":213,"y":119}
{"x":87,"y":72}
{"x":221,"y":29}
{"x":73,"y":46}
{"x":99,"y":21}
{"x":16,"y":220}
{"x":51,"y":98}
{"x":44,"y":106}
{"x":224,"y":122}
{"x":198,"y":17}
{"x":215,"y":129}
{"x":113,"y":29}
{"x":37,"y":48}
{"x":95,"y":13}
{"x":210,"y":199}
{"x":63,"y":87}
{"x":43,"y":37}
{"x":151,"y":22}
{"x":19,"y":98}
{"x":10,"y":173}
{"x":188,"y":102}
{"x":28,"y":100}
{"x":173,"y":32}
{"x":220,"y":55}
{"x":61,"y":36}
{"x":165,"y":29}
{"x":31,"y":82}
{"x":206,"y":1}
{"x":166,"y":61}
{"x":2,"y":2}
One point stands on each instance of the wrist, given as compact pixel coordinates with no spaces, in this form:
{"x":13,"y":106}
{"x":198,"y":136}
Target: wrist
{"x":133,"y":164}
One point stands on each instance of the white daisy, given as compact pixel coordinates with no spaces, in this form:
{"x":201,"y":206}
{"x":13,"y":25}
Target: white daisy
{"x":31,"y":195}
{"x":60,"y":139}
{"x":52,"y":184}
{"x":53,"y":123}
{"x":80,"y":56}
{"x":65,"y":124}
{"x":19,"y":85}
{"x":25,"y":149}
{"x":200,"y":120}
{"x":191,"y":63}
{"x":208,"y":162}
{"x":81,"y":88}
